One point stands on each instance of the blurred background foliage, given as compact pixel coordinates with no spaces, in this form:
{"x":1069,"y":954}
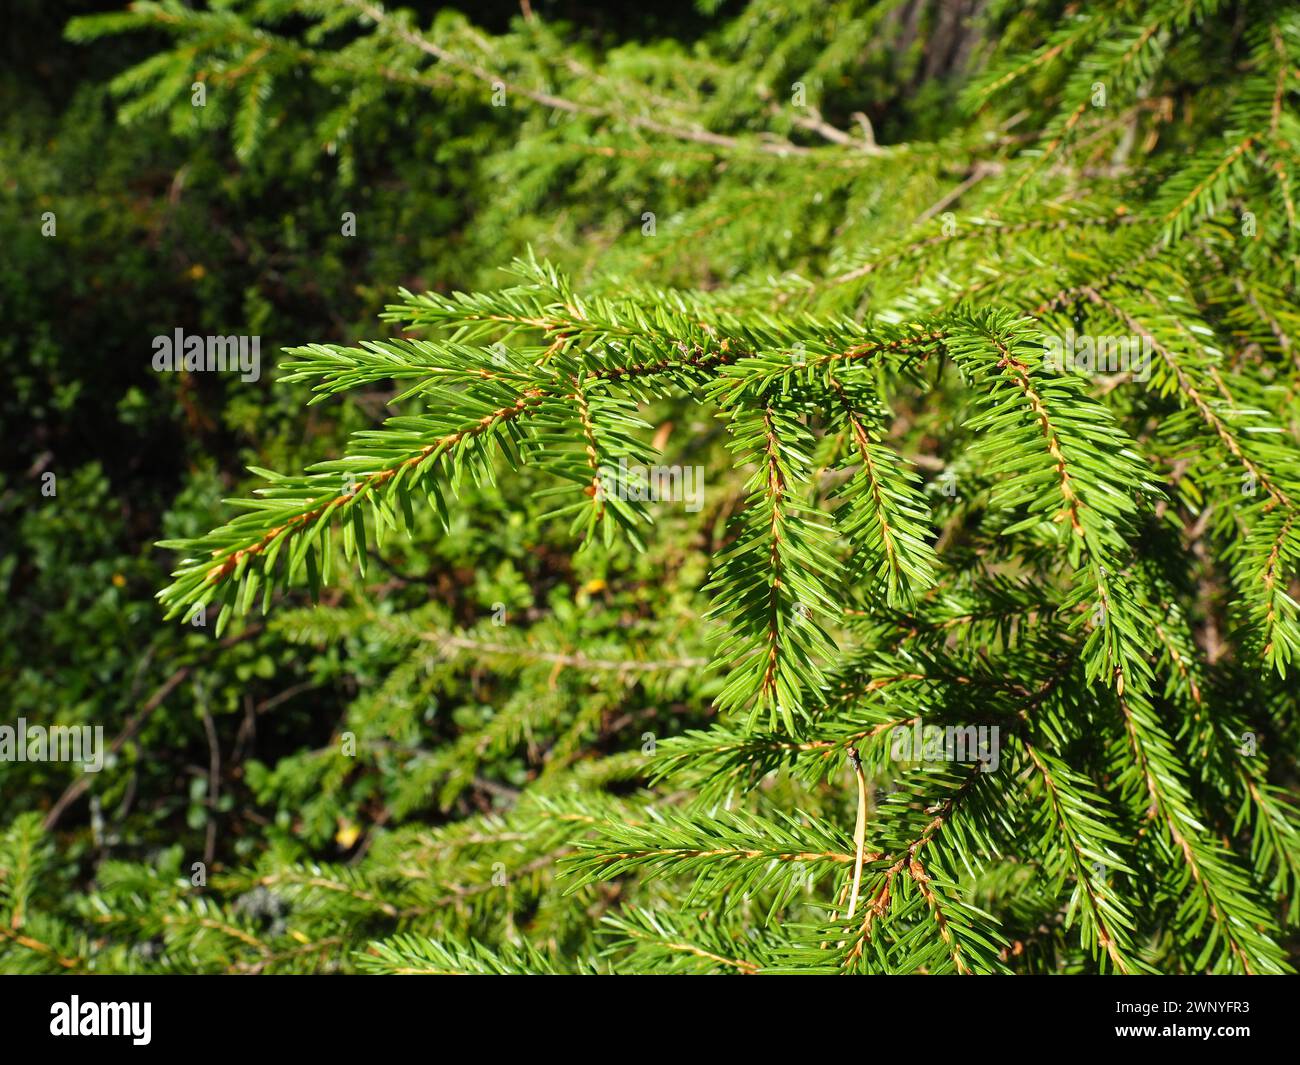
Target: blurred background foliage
{"x":158,"y":230}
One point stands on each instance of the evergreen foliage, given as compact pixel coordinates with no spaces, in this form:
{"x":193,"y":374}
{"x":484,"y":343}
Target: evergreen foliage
{"x":628,"y":736}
